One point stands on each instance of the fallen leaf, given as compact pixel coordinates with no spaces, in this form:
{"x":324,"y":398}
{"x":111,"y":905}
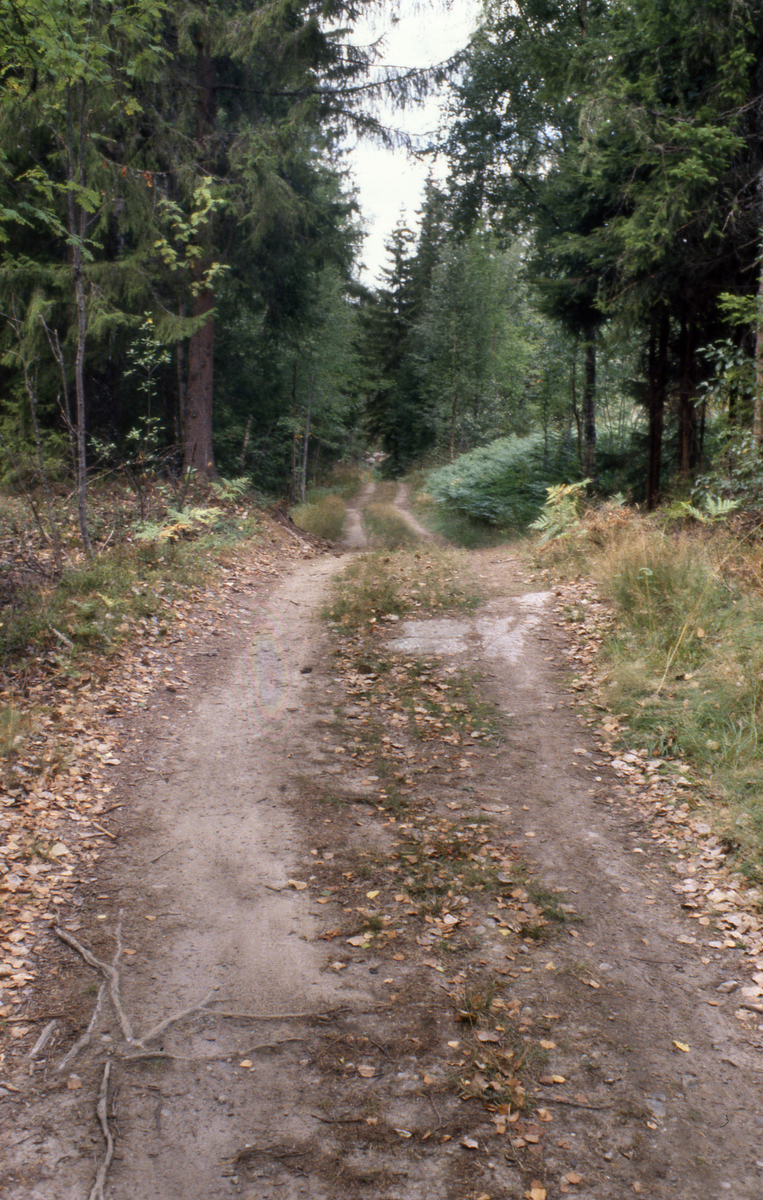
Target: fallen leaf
{"x":246,"y":1062}
{"x":366,"y":1071}
{"x":681,"y":1046}
{"x":572,"y":1177}
{"x":470,"y":1143}
{"x":73,"y":1082}
{"x":536,"y":1192}
{"x":297,"y":884}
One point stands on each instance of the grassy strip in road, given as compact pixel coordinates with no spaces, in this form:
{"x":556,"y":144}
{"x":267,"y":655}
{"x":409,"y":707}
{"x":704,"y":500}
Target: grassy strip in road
{"x":379,"y":585}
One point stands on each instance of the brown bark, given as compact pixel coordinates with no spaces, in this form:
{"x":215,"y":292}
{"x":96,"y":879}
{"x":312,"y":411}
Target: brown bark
{"x":77,"y":228}
{"x":589,"y":407}
{"x":687,"y":412}
{"x":757,"y":417}
{"x":198,"y":450}
{"x":658,"y":374}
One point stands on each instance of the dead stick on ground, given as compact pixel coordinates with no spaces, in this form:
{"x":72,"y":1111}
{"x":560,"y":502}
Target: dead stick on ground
{"x":103,"y":1119}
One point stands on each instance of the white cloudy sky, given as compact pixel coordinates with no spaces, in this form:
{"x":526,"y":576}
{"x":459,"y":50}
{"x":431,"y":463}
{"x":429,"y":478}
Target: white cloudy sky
{"x":391,"y":182}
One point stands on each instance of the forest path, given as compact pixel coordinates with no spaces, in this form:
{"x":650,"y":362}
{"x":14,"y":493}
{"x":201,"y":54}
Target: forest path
{"x":355,"y":537}
{"x":361,"y":1016}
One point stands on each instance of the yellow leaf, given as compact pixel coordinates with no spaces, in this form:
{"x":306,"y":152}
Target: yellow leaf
{"x":246,"y":1062}
{"x":681,"y":1046}
{"x":372,"y":895}
{"x":536,"y":1192}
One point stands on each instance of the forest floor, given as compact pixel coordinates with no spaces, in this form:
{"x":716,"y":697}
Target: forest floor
{"x":412,"y":928}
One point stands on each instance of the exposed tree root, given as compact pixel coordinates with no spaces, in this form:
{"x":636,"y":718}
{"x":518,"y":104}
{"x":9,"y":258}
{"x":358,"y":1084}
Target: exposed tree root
{"x":102,"y":1112}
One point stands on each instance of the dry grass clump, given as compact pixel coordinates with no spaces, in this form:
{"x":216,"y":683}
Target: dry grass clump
{"x":686,"y":653}
{"x":324,"y":517}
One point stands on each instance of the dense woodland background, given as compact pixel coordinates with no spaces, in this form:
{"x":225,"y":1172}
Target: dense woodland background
{"x":179,"y":280}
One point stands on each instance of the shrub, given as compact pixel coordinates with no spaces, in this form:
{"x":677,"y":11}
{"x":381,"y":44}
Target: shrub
{"x":504,"y":483}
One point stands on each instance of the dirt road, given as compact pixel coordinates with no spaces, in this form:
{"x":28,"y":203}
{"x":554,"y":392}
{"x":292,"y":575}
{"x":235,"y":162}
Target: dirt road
{"x":408,"y":958}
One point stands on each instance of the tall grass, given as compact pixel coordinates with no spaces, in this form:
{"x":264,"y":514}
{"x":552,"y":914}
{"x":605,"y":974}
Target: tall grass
{"x":324,"y":517}
{"x":685,"y":656}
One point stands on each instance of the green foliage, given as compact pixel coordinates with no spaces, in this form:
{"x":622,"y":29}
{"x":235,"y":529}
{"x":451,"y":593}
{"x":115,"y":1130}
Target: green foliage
{"x":229,"y":490}
{"x":503,"y":483}
{"x":713,"y":510}
{"x":178,"y":525}
{"x":737,"y":473}
{"x":561,"y":512}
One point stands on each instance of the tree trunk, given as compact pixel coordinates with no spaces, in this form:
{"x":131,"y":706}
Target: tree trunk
{"x":658,"y":371}
{"x":198,"y":450}
{"x":179,"y":418}
{"x":687,"y":412}
{"x":306,"y":446}
{"x":293,"y":482}
{"x":575,"y":409}
{"x":589,"y":407}
{"x":757,"y":418}
{"x":77,"y":228}
{"x":453,"y":402}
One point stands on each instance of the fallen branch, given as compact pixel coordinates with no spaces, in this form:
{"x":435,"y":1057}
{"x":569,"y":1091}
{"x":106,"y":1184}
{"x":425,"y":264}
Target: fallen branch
{"x":103,"y":1119}
{"x":102,"y":829}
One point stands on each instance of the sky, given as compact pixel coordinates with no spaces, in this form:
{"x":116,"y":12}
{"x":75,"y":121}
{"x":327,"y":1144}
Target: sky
{"x":392,"y":182}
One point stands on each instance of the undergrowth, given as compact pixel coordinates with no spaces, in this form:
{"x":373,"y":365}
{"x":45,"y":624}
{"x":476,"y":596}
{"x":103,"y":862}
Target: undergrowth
{"x":685,"y":653}
{"x":92,"y":604}
{"x":503,"y":483}
{"x":324,"y":516}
